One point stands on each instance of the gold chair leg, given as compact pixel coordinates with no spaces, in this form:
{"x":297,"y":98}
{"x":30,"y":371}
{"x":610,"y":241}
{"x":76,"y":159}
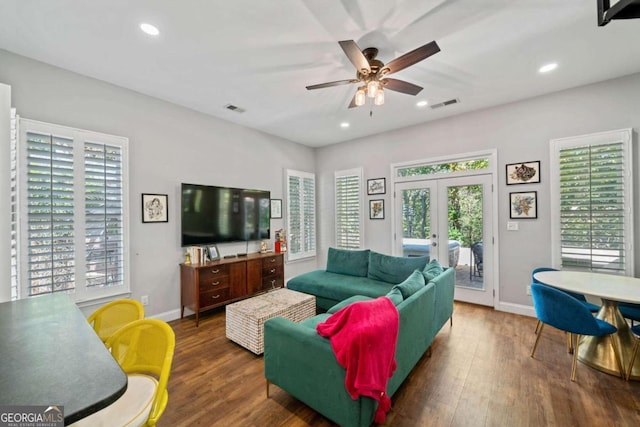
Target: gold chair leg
{"x":451,"y":321}
{"x":633,"y":358}
{"x":575,"y":358}
{"x":537,"y":327}
{"x":569,"y":342}
{"x":267,"y":389}
{"x":535,"y":345}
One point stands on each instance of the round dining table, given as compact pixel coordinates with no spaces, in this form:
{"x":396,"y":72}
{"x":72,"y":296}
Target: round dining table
{"x":597,"y":352}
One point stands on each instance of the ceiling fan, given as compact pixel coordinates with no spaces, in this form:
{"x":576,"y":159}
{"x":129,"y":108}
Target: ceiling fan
{"x":372,"y":73}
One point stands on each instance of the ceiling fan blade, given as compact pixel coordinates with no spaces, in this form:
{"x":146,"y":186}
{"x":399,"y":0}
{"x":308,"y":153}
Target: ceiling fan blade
{"x":352,"y":104}
{"x":329,"y":84}
{"x":410,"y":58}
{"x":356,"y":56}
{"x":401,"y":86}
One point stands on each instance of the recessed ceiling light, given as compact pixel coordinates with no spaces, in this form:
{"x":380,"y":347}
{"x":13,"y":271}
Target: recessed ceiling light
{"x":548,"y":67}
{"x":149,"y":29}
{"x":422,"y":103}
{"x":344,"y":125}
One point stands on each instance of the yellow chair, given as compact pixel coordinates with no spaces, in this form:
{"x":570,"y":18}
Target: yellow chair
{"x":144,"y":349}
{"x":114,"y":315}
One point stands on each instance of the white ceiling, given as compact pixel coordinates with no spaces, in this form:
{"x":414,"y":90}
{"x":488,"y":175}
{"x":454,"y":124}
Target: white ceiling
{"x":259,"y":54}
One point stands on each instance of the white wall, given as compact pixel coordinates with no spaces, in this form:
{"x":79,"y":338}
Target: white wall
{"x":169,"y":145}
{"x":520,"y":132}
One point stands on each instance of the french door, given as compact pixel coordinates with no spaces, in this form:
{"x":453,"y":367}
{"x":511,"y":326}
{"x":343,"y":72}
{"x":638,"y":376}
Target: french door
{"x":449,"y":219}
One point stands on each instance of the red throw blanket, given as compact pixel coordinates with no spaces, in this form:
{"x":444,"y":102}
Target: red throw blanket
{"x":363,"y":337}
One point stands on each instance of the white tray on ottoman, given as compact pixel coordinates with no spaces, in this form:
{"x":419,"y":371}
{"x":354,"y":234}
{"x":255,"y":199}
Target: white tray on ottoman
{"x":245,"y":319}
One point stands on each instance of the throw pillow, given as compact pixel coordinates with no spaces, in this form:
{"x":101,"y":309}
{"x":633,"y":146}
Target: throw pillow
{"x":393,"y":269}
{"x":411,"y":285}
{"x":395,"y":296}
{"x":432,"y":270}
{"x":351,"y":263}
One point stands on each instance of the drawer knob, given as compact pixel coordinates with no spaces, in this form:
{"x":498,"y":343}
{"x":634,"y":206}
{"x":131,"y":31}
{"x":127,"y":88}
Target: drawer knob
{"x":272,"y":260}
{"x":215,"y":297}
{"x":273,"y":270}
{"x":216,"y":271}
{"x":215,"y":283}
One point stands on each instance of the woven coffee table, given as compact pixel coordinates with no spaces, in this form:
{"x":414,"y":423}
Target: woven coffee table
{"x":245,"y":319}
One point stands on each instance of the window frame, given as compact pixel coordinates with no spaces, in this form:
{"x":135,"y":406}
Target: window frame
{"x":303,"y":199}
{"x":623,"y":136}
{"x":81,"y":293}
{"x":345,"y":174}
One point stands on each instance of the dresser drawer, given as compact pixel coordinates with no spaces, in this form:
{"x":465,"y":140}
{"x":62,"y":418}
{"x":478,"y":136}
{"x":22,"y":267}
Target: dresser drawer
{"x":273,"y":270}
{"x":272,"y":282}
{"x":213,"y":283}
{"x":272,"y":261}
{"x":214,"y":296}
{"x":209,"y":274}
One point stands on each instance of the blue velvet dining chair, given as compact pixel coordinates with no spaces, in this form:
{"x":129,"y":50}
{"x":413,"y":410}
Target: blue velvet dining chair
{"x":562,"y":311}
{"x":630,"y":311}
{"x":593,"y":308}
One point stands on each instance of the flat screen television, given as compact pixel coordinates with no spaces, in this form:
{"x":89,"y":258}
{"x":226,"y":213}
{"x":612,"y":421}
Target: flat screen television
{"x":213,"y":215}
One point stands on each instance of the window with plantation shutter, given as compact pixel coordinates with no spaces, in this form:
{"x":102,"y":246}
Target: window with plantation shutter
{"x":72,"y":207}
{"x":301,"y":214}
{"x":591,"y":196}
{"x":348,"y":213}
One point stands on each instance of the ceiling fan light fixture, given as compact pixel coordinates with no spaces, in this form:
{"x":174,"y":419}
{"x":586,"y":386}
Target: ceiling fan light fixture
{"x":372,"y":88}
{"x":361,"y":96}
{"x":379,"y":99}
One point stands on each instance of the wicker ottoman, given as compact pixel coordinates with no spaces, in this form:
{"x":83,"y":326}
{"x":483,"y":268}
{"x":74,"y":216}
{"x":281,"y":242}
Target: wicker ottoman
{"x":245,"y":319}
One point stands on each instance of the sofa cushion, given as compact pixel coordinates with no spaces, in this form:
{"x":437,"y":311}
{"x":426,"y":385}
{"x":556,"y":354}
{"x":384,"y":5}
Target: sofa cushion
{"x":352,"y":263}
{"x":348,"y":301}
{"x":395,"y":296}
{"x":392,"y":269}
{"x":411,"y":285}
{"x":312,"y":322}
{"x":337,"y":287}
{"x":432,"y":270}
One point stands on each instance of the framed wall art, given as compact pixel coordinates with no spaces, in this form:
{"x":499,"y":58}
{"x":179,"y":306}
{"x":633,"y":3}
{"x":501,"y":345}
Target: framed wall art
{"x":523,"y":205}
{"x":376,"y":186}
{"x":155,"y":208}
{"x":376,"y":209}
{"x":523,"y":173}
{"x":276,"y":208}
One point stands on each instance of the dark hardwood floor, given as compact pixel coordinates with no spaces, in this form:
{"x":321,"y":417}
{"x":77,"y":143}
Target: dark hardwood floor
{"x":479,"y":374}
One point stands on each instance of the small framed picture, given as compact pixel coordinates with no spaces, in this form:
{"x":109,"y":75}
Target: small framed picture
{"x":212,"y":253}
{"x":376,"y":209}
{"x":376,"y":186}
{"x":523,"y":205}
{"x":155,"y":208}
{"x":523,"y":173}
{"x":276,"y":208}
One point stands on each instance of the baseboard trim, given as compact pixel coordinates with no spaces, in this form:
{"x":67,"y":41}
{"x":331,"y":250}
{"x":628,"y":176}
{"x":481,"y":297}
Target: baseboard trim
{"x":167,"y":316}
{"x":525,"y":310}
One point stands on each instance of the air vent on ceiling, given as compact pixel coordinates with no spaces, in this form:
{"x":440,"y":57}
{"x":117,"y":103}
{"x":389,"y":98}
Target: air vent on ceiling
{"x":445,"y":103}
{"x":234,"y":108}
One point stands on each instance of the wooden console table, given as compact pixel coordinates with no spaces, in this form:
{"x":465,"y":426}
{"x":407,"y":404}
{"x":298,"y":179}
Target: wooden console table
{"x":217,"y":283}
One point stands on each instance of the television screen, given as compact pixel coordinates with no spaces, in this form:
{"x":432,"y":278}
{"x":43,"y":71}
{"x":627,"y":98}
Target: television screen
{"x":221,"y":214}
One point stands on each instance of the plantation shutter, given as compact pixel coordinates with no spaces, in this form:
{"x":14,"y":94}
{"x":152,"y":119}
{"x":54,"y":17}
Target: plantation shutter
{"x":72,"y":212}
{"x":301,"y":214}
{"x":104,"y":221}
{"x":50,"y":213}
{"x":595,"y":206}
{"x":348,"y":213}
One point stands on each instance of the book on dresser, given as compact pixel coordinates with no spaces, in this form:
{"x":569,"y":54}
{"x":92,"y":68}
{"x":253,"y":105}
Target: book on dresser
{"x":212,"y":284}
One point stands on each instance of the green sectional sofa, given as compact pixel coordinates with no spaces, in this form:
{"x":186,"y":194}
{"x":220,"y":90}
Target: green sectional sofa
{"x":351,"y":273}
{"x":302,"y":363}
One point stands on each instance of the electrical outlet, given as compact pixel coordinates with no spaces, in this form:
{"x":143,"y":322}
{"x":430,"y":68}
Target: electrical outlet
{"x":144,"y":299}
{"x":528,"y":289}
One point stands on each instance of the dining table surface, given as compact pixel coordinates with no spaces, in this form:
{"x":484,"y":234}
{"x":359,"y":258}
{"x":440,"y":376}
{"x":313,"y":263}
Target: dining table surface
{"x":50,"y":355}
{"x":597,"y":352}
